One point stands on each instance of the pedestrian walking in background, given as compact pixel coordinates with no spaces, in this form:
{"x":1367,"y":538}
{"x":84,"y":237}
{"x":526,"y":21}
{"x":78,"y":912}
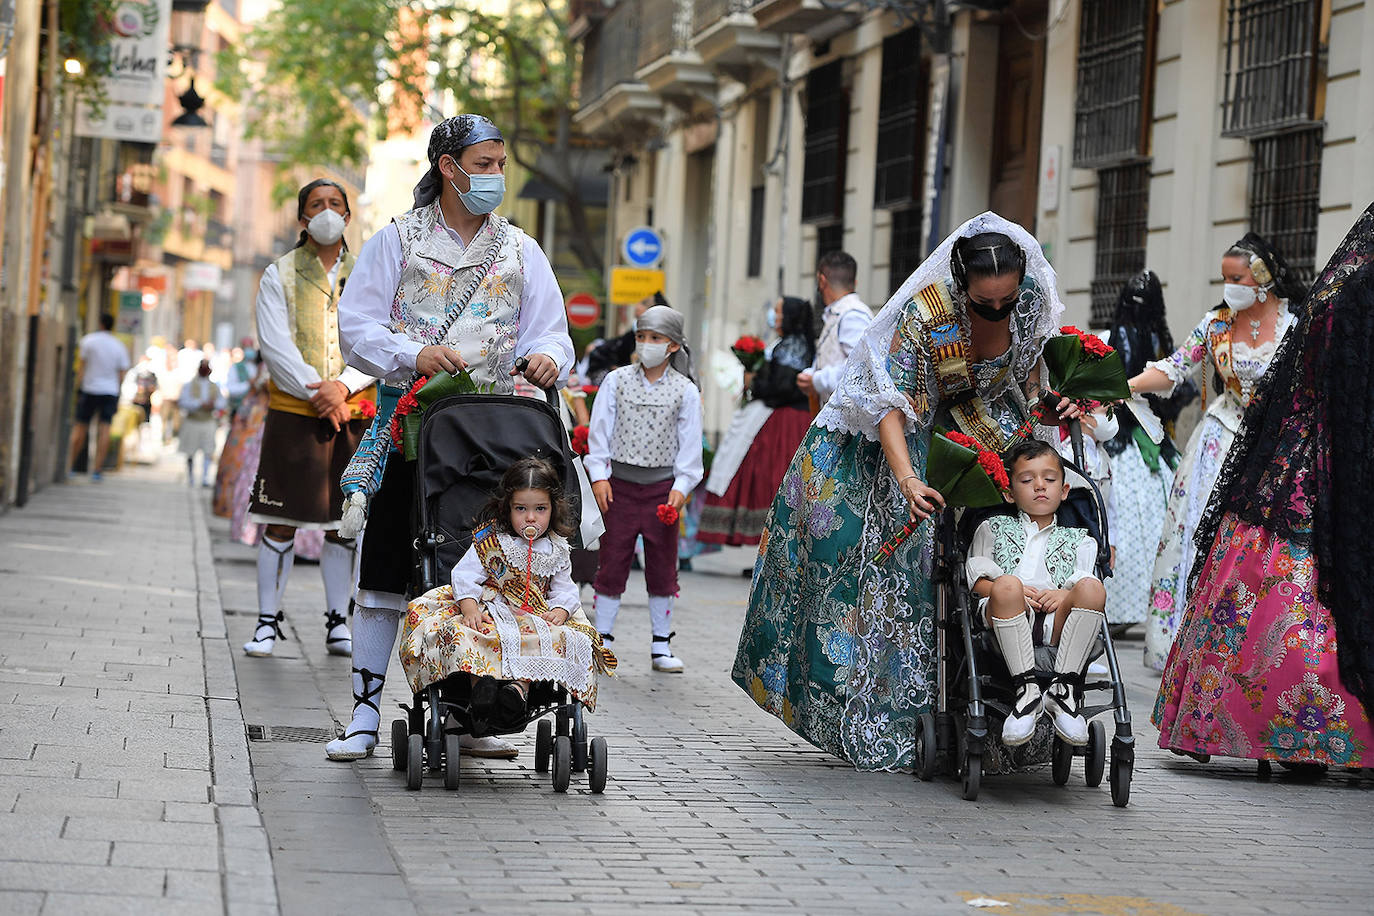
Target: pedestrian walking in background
{"x":845,"y":320}
{"x":763,"y":434}
{"x":1231,"y":348}
{"x":103,"y":361}
{"x":1274,"y":658}
{"x":201,"y":402}
{"x":644,"y":454}
{"x":406,"y":311}
{"x":317,"y":411}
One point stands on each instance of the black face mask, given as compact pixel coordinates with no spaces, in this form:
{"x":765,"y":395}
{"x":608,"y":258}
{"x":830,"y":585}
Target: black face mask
{"x":989,"y":313}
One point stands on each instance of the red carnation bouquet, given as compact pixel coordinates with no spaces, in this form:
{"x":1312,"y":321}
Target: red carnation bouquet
{"x":667,"y":514}
{"x":581,"y":439}
{"x":749,"y":351}
{"x":1084,"y":369}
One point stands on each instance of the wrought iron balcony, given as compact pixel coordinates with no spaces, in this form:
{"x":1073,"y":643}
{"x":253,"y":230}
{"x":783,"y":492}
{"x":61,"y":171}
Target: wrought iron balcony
{"x":728,"y":37}
{"x":668,"y":63}
{"x":613,"y":99}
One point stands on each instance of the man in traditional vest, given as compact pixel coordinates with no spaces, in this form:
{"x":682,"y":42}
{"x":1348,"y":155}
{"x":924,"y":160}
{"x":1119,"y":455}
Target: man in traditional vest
{"x":317,"y":411}
{"x":408,"y":278}
{"x":846,"y":319}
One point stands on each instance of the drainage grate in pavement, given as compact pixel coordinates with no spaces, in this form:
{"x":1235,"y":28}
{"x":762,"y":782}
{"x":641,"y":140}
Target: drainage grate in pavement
{"x":289,"y":733}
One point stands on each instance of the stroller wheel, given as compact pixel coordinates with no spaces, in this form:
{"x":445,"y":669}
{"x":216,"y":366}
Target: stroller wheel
{"x":1062,"y":761}
{"x":543,"y":745}
{"x":562,"y":763}
{"x":400,"y":739}
{"x":596,"y":766}
{"x":453,"y":755}
{"x":579,"y":744}
{"x":925,"y":747}
{"x":973,"y":776}
{"x":415,"y":762}
{"x":1121,"y":781}
{"x":1096,"y":757}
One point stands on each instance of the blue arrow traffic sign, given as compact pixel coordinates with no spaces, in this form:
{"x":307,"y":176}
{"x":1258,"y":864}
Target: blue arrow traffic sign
{"x":643,"y":247}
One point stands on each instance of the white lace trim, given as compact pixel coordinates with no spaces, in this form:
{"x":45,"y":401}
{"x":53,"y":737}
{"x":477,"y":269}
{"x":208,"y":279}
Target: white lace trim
{"x":573,"y":672}
{"x":517,"y":551}
{"x":867,"y":392}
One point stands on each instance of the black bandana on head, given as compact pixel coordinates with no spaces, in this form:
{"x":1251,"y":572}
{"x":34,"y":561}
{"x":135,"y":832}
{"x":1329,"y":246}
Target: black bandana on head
{"x":450,"y":138}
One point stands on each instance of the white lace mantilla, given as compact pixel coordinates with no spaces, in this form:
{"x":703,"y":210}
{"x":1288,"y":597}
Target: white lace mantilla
{"x":517,"y":551}
{"x":867,"y":392}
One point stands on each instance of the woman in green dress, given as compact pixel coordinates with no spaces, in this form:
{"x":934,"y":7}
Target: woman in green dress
{"x":843,"y":650}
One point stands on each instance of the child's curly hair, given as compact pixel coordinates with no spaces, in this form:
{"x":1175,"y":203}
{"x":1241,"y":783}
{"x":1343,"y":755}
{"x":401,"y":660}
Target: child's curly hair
{"x":531,"y":474}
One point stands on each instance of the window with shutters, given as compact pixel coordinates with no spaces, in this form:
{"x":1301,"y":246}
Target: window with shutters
{"x":1271,"y":65}
{"x":1123,"y":204}
{"x":1115,"y":51}
{"x":904,"y":251}
{"x":901,"y":121}
{"x":1285,"y":189}
{"x":827,"y":122}
{"x":757,"y":197}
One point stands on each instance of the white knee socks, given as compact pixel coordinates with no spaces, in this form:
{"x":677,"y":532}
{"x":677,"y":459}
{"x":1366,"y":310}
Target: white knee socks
{"x":275,"y":559}
{"x":606,"y":609}
{"x":660,"y":614}
{"x":336,"y":568}
{"x":374,"y":639}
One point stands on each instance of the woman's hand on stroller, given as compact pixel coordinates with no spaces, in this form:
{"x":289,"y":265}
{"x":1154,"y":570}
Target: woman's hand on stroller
{"x":556,"y":616}
{"x":433,"y":359}
{"x":539,"y":370}
{"x":923,"y":499}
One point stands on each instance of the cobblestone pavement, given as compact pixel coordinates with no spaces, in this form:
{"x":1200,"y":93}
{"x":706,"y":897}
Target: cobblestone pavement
{"x":122,"y":778}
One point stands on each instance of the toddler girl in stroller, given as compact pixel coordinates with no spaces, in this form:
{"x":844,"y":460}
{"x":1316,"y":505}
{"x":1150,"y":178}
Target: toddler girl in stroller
{"x":511,"y":615}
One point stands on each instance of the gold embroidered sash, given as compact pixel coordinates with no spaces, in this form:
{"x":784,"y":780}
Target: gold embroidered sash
{"x":1219,"y":341}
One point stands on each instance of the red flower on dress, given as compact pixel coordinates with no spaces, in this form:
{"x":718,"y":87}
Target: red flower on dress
{"x":667,"y":514}
{"x":581,"y":436}
{"x":368,"y":409}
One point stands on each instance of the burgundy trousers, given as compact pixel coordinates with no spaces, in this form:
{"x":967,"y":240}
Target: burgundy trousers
{"x":634,"y":512}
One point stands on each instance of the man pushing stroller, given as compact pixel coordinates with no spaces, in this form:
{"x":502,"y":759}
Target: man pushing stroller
{"x":1035,"y":582}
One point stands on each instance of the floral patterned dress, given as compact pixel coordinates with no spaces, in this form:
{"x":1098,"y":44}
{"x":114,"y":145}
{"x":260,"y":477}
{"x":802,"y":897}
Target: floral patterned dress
{"x":841,"y":650}
{"x":1211,"y":350}
{"x":514,"y":582}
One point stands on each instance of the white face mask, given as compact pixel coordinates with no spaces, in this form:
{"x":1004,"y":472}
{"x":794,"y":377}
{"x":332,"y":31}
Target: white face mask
{"x":651,"y":354}
{"x":326,"y":227}
{"x":1238,"y":296}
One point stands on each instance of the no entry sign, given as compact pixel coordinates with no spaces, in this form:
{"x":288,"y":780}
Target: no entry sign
{"x":583,"y":310}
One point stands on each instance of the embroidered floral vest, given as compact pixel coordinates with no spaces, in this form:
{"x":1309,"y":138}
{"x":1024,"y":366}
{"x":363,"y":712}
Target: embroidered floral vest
{"x":312,"y":306}
{"x":1009,"y":546}
{"x":434,"y":271}
{"x":645,"y":433}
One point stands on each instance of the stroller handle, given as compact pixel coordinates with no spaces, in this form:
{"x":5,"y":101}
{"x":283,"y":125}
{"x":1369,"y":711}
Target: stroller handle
{"x":1050,"y":401}
{"x":550,"y":393}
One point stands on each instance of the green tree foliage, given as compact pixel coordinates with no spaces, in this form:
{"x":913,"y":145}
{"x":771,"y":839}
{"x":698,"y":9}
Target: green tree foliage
{"x":320,"y":75}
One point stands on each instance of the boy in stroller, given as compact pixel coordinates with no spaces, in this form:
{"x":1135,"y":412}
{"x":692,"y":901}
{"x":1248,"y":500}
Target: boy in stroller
{"x":512,"y":614}
{"x":1036,"y":586}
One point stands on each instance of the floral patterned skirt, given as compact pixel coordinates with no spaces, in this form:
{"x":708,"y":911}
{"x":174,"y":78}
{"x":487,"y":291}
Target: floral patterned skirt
{"x":1135,"y":515}
{"x":1192,"y":488}
{"x":1253,"y":671}
{"x":842,"y":650}
{"x":435,"y":643}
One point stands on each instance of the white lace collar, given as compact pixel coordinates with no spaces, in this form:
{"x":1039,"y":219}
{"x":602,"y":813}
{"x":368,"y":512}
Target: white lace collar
{"x":551,"y":553}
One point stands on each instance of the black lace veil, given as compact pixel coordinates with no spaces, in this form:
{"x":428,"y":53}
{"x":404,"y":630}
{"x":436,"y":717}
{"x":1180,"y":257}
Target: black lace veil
{"x":1302,"y":465}
{"x":1140,"y":334}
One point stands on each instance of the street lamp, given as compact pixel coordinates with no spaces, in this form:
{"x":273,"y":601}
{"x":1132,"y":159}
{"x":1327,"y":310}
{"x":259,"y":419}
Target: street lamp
{"x":192,"y":102}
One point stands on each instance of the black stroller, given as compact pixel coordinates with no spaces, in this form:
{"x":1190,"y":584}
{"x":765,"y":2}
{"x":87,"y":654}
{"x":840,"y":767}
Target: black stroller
{"x":975,"y":692}
{"x":466,"y":443}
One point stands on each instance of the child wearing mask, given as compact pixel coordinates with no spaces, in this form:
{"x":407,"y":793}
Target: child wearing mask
{"x":645,"y":452}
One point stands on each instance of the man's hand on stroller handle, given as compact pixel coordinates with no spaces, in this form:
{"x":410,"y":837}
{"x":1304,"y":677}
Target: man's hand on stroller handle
{"x":433,"y":359}
{"x":538,"y":369}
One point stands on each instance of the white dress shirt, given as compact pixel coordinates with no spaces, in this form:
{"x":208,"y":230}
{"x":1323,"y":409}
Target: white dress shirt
{"x":288,"y":368}
{"x":850,"y":332}
{"x":1031,"y":570}
{"x":469,"y":579}
{"x":365,"y":311}
{"x":687,"y":468}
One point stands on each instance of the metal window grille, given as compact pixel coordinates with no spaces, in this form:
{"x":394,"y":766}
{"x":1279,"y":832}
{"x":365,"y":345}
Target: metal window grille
{"x":656,"y":37}
{"x":1285,"y":190}
{"x":904,"y":252}
{"x":901,"y":120}
{"x":1123,"y":204}
{"x":757,"y":199}
{"x":827,"y":122}
{"x":829,"y":238}
{"x":1271,"y":65}
{"x":610,"y":51}
{"x":1114,"y":44}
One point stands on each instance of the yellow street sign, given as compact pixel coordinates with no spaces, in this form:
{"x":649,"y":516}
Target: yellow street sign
{"x":630,"y":284}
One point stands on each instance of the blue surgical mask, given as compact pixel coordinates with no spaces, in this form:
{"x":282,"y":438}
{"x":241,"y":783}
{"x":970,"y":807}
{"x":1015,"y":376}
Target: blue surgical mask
{"x":772,"y":320}
{"x":486,"y":194}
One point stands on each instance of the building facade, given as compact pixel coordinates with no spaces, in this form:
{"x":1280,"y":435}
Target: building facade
{"x":1123,"y":133}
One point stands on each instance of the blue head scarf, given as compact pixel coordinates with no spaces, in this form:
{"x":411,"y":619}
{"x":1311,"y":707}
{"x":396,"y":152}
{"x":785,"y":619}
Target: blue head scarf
{"x":450,"y":138}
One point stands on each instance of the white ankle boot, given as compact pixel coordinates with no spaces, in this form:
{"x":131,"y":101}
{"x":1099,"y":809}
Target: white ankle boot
{"x":361,"y":737}
{"x":265,"y":635}
{"x":1013,"y":637}
{"x":1076,"y":641}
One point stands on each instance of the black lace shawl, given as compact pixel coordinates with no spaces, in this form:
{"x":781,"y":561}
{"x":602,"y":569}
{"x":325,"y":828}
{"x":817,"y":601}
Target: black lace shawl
{"x":776,"y":381}
{"x":1302,"y":465}
{"x":1140,"y":334}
